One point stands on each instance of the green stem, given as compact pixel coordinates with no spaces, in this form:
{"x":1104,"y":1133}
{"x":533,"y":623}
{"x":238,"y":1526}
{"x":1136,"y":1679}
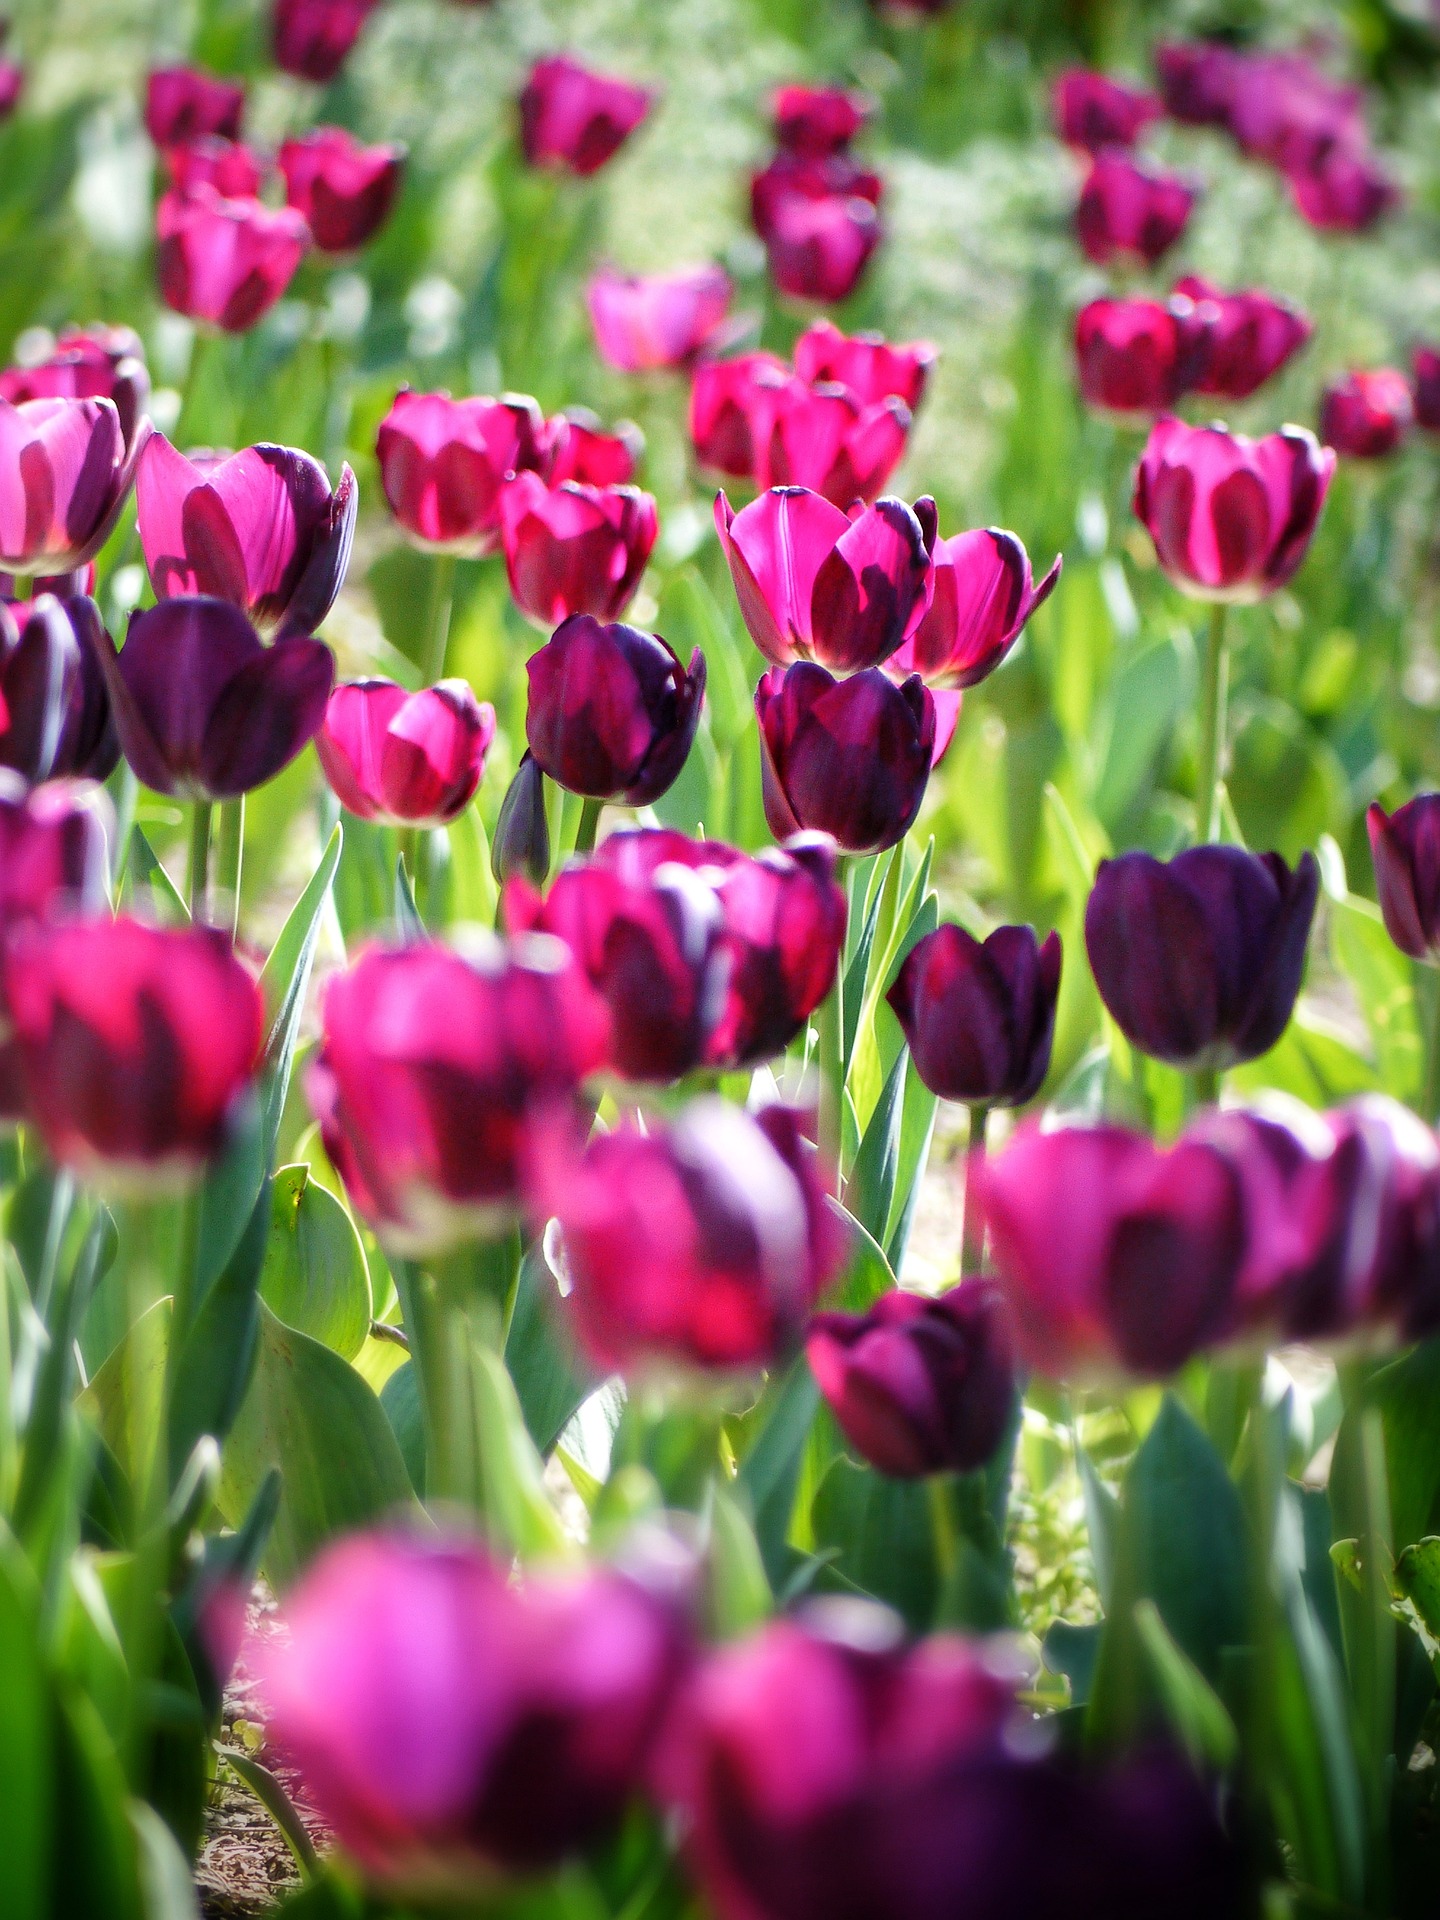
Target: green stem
{"x":1212,"y":726}
{"x":972,"y":1242}
{"x":230,"y":857}
{"x":436,"y":1336}
{"x":199,"y":354}
{"x":589,"y":826}
{"x":199,"y":871}
{"x":437,"y":632}
{"x":1430,"y":1095}
{"x":831,"y":1061}
{"x":1205,"y":1086}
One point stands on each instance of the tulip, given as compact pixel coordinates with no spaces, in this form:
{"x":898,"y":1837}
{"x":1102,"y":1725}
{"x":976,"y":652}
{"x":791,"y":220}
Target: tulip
{"x":1348,"y":191}
{"x":234,"y":170}
{"x":850,"y":758}
{"x":866,"y":363}
{"x":1197,"y":81}
{"x":202,"y":707}
{"x":814,"y":584}
{"x":820,"y":222}
{"x":612,"y":713}
{"x":1231,"y":518}
{"x":66,"y":468}
{"x":733,"y":407}
{"x":1285,"y":111}
{"x":54,"y":849}
{"x":12,"y":85}
{"x":435,"y":1070}
{"x":185,"y":103}
{"x":1425,"y":366}
{"x":1093,"y":111}
{"x":226,"y":261}
{"x":918,"y":1386}
{"x":979,"y":1017}
{"x":520,"y":843}
{"x":1394,"y":1246}
{"x":573,"y":548}
{"x":312,"y":37}
{"x":1137,"y":357}
{"x":1405,"y":847}
{"x":1248,"y":337}
{"x":407,"y":759}
{"x":137,"y":1045}
{"x":442,"y":463}
{"x":54,"y":710}
{"x":344,"y":190}
{"x":1131,"y":211}
{"x":982,"y":595}
{"x":448,"y":1719}
{"x":822,"y":437}
{"x":1199,"y":958}
{"x":705,"y":1241}
{"x":1366,"y":415}
{"x":661,"y":320}
{"x":816,"y":122}
{"x":89,"y":363}
{"x":261,"y":529}
{"x":582,"y":450}
{"x":576,"y":120}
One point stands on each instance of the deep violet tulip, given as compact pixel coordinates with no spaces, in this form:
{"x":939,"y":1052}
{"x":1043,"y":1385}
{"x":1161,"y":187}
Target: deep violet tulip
{"x":1197,"y":80}
{"x":583,"y":450}
{"x":850,"y":758}
{"x":979,"y":1016}
{"x":1247,"y":337}
{"x":1131,"y":210}
{"x":1346,"y":191}
{"x":54,"y":708}
{"x":203,"y":707}
{"x":185,"y":103}
{"x":918,"y":1385}
{"x":312,"y":37}
{"x":235,"y":171}
{"x":1366,"y":415}
{"x":435,"y":1070}
{"x":644,"y":321}
{"x":137,"y":1045}
{"x":820,"y":222}
{"x":1395,"y":1217}
{"x":261,"y":528}
{"x":66,"y":468}
{"x":1136,"y":357}
{"x":1405,"y":847}
{"x":88,"y":363}
{"x":443,"y":462}
{"x":982,"y":594}
{"x":345,"y":190}
{"x":574,"y":548}
{"x":818,"y":121}
{"x":574,"y":119}
{"x":407,"y":759}
{"x":1199,"y":958}
{"x":226,"y":261}
{"x":1425,"y":388}
{"x":1093,"y":110}
{"x":867,"y":364}
{"x":612,"y":712}
{"x":1231,"y":518}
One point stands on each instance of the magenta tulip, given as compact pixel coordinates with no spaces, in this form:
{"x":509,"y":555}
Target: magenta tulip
{"x":54,"y":849}
{"x":226,"y":261}
{"x":1137,"y":356}
{"x":823,"y":438}
{"x":573,"y":548}
{"x":1197,"y":81}
{"x":1248,"y":337}
{"x":979,"y":1016}
{"x":12,"y":86}
{"x":235,"y":171}
{"x":584,"y":451}
{"x":661,"y":320}
{"x":1425,"y":388}
{"x":1129,"y":210}
{"x":982,"y":595}
{"x":1284,"y":110}
{"x":344,"y":190}
{"x":1393,"y":1245}
{"x":407,"y":759}
{"x":443,"y":461}
{"x":185,"y":103}
{"x":313,"y":37}
{"x":66,"y":468}
{"x":577,"y":120}
{"x":1405,"y":847}
{"x":1092,"y":110}
{"x":820,"y":222}
{"x":1348,"y":191}
{"x":869,"y":365}
{"x":54,"y":709}
{"x":1365,"y":416}
{"x":818,"y":121}
{"x":88,"y":363}
{"x":733,"y":407}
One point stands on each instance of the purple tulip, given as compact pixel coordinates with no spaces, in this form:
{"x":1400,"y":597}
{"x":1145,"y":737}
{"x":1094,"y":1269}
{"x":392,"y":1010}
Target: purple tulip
{"x":66,"y":468}
{"x":979,"y":1018}
{"x":1393,"y":1278}
{"x":185,"y":103}
{"x":1425,"y":367}
{"x":1198,"y":80}
{"x":54,"y":710}
{"x":982,"y":595}
{"x":820,"y":222}
{"x":1347,"y":191}
{"x":573,"y":548}
{"x":577,"y":120}
{"x":584,"y":451}
{"x":1405,"y":847}
{"x":1093,"y":111}
{"x":226,"y":261}
{"x":1137,"y":357}
{"x":658,"y":320}
{"x":443,"y":462}
{"x":88,"y":363}
{"x":344,"y":190}
{"x":816,"y":122}
{"x":407,"y":759}
{"x":1199,"y":958}
{"x":1248,"y":337}
{"x":1284,"y":110}
{"x":313,"y":37}
{"x":235,"y":171}
{"x":1130,"y":210}
{"x":866,"y":364}
{"x":1365,"y":416}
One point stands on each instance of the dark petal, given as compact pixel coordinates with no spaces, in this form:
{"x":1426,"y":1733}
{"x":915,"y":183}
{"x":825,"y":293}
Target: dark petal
{"x":329,"y":561}
{"x":522,"y":834}
{"x":1031,"y":976}
{"x":177,"y":661}
{"x":868,"y":588}
{"x":1152,"y":952}
{"x":672,"y":744}
{"x":1174,"y":1260}
{"x":1406,"y":852}
{"x":213,"y":556}
{"x":266,"y":713}
{"x":1240,"y":514}
{"x":593,"y":689}
{"x":955,"y":1008}
{"x":1281,"y":964}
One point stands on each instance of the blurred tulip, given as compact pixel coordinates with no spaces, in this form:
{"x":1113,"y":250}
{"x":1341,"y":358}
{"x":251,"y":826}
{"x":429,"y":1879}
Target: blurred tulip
{"x":1199,"y":958}
{"x":577,"y":120}
{"x":818,"y":121}
{"x":1197,"y":81}
{"x":1284,"y":110}
{"x":867,"y":364}
{"x":824,"y":439}
{"x":185,"y":103}
{"x":820,"y":222}
{"x":1130,"y":210}
{"x":1248,"y":337}
{"x":1405,"y":847}
{"x":612,"y":713}
{"x":1366,"y":415}
{"x":55,"y":844}
{"x":850,"y":758}
{"x":979,"y":1017}
{"x":574,"y":549}
{"x":88,"y":363}
{"x":1092,"y":110}
{"x":226,"y":261}
{"x":520,"y":843}
{"x":344,"y":190}
{"x":443,"y":461}
{"x":66,"y":468}
{"x":1231,"y":518}
{"x":1138,"y":356}
{"x":582,"y":450}
{"x":733,"y":408}
{"x":1425,"y":386}
{"x":918,"y":1385}
{"x":407,"y":759}
{"x":1348,"y":191}
{"x":1393,"y":1276}
{"x":433,"y":1073}
{"x":312,"y":37}
{"x":12,"y":86}
{"x":658,"y":320}
{"x":260,"y":528}
{"x":202,"y":707}
{"x":54,"y":709}
{"x":982,"y":595}
{"x":234,"y":170}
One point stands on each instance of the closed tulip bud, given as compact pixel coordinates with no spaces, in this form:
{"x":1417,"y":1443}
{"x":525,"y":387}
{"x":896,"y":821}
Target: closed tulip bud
{"x":850,"y":758}
{"x":226,"y":261}
{"x":1425,"y":366}
{"x":1231,"y":518}
{"x":186,"y":103}
{"x":1347,"y":190}
{"x":433,"y":1073}
{"x":1248,"y":337}
{"x":1366,"y":415}
{"x":1137,"y":357}
{"x":520,"y":843}
{"x":261,"y":529}
{"x":407,"y":759}
{"x":1199,"y":958}
{"x":443,"y":462}
{"x":612,"y":712}
{"x":313,"y":37}
{"x":979,"y":1017}
{"x":577,"y":120}
{"x":1093,"y":111}
{"x":573,"y":548}
{"x":234,"y":170}
{"x":818,"y":121}
{"x":137,"y":1045}
{"x":202,"y":707}
{"x":869,"y":365}
{"x":1405,"y":847}
{"x":820,"y":222}
{"x":54,"y":709}
{"x":982,"y":595}
{"x":917,"y":1385}
{"x":66,"y":468}
{"x":89,"y":363}
{"x":1197,"y":81}
{"x":1129,"y":210}
{"x":642,"y":322}
{"x":585,"y":452}
{"x":344,"y":190}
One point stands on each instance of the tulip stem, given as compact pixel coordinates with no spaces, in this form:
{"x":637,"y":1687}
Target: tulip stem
{"x":1213,"y":691}
{"x":437,"y":632}
{"x":199,"y":874}
{"x":972,"y":1240}
{"x":1430,"y":1097}
{"x":830,"y":1045}
{"x":589,"y":826}
{"x":230,"y":857}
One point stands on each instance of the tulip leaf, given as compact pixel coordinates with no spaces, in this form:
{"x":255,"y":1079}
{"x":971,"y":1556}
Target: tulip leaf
{"x":228,"y":1197}
{"x":314,"y":1275}
{"x":27,"y":1780}
{"x":880,"y":1535}
{"x":1193,"y":1708}
{"x":145,"y":872}
{"x":1407,"y":1396}
{"x":857,"y":973}
{"x":738,"y":1597}
{"x":551,"y":1380}
{"x":284,"y":981}
{"x":125,"y":1398}
{"x":917,"y":1128}
{"x":408,"y":923}
{"x":212,"y":1371}
{"x":96,"y":1867}
{"x":1384,"y":986}
{"x":167,"y":1890}
{"x":1073,"y":1651}
{"x":1417,"y":1574}
{"x":871,"y":1185}
{"x":866,"y":1273}
{"x":400,"y":1398}
{"x":770,"y":1471}
{"x":518,"y":1513}
{"x":1147,"y":697}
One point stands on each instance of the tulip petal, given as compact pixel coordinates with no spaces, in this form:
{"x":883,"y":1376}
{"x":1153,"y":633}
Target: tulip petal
{"x":271,"y":708}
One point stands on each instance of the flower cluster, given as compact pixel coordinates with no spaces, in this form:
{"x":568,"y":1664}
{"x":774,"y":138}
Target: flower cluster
{"x":815,"y":206}
{"x":1138,"y":356}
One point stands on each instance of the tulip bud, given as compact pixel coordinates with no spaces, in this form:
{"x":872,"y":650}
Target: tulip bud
{"x":186,"y":103}
{"x":1199,"y":958}
{"x":442,"y":463}
{"x":1405,"y":847}
{"x":576,"y":120}
{"x":1138,"y":357}
{"x":411,"y":760}
{"x":1345,"y":191}
{"x":574,"y":549}
{"x":866,"y":363}
{"x":1129,"y":210}
{"x":1093,"y":111}
{"x":313,"y":37}
{"x":90,"y":363}
{"x":521,"y":843}
{"x":1248,"y":337}
{"x":979,"y":1018}
{"x":344,"y":190}
{"x":982,"y":595}
{"x":820,"y":222}
{"x":584,"y":452}
{"x":815,"y":122}
{"x":226,"y":261}
{"x":1425,"y":366}
{"x":66,"y":467}
{"x":234,"y":170}
{"x":1197,"y":80}
{"x":1366,"y":415}
{"x":660,"y":320}
{"x":54,"y":710}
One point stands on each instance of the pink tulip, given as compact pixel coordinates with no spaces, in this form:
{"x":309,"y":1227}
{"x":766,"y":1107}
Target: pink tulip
{"x":982,"y":594}
{"x":584,"y":451}
{"x":234,"y":170}
{"x":88,"y":363}
{"x":1247,"y":337}
{"x":820,"y":222}
{"x":662,"y":320}
{"x":411,"y":759}
{"x":1092,"y":110}
{"x":66,"y":468}
{"x":1366,"y":415}
{"x":1129,"y":210}
{"x":869,"y":365}
{"x":443,"y":461}
{"x":226,"y":261}
{"x":1137,"y":357}
{"x":574,"y":549}
{"x":313,"y":37}
{"x":577,"y":120}
{"x":185,"y":103}
{"x":753,"y":418}
{"x":344,"y":190}
{"x":1348,"y":191}
{"x":818,"y":121}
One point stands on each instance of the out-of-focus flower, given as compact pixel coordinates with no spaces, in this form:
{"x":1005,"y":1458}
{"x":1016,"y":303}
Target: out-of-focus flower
{"x":1130,"y":210}
{"x":12,"y":85}
{"x":657,"y":320}
{"x":260,"y":528}
{"x":818,"y":121}
{"x":408,"y":759}
{"x":1197,"y":81}
{"x":435,"y":1070}
{"x":136,"y":1044}
{"x":850,"y":758}
{"x":1393,"y":1277}
{"x":443,"y":462}
{"x":815,"y":584}
{"x":1405,"y":846}
{"x":66,"y":468}
{"x":612,"y":712}
{"x":1138,"y":356}
{"x":820,"y":222}
{"x":1247,"y":337}
{"x":979,"y":1016}
{"x":185,"y":103}
{"x":1199,"y":958}
{"x":1366,"y":415}
{"x":54,"y":710}
{"x":918,"y":1385}
{"x":870,"y":366}
{"x":982,"y":594}
{"x":1092,"y":110}
{"x":344,"y":190}
{"x":1348,"y":191}
{"x":203,"y":707}
{"x":573,"y":548}
{"x":312,"y":37}
{"x":1284,"y":110}
{"x":753,"y":418}
{"x":584,"y":451}
{"x":234,"y":170}
{"x":1231,"y":518}
{"x":575,"y":119}
{"x":1425,"y":386}
{"x":520,"y":843}
{"x":226,"y":261}
{"x":54,"y":849}
{"x":88,"y":363}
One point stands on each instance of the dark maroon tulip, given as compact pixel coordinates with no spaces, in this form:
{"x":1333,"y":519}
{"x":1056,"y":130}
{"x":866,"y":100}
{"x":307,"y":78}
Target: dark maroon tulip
{"x":202,"y":707}
{"x":1231,"y":518}
{"x":449,"y":1719}
{"x":645,"y":321}
{"x":137,"y":1045}
{"x":54,"y":710}
{"x":260,"y":528}
{"x":88,"y":363}
{"x":866,"y":364}
{"x":185,"y":103}
{"x":918,"y":1385}
{"x":1092,"y":110}
{"x":1197,"y":81}
{"x":408,"y":759}
{"x":66,"y":468}
{"x":1405,"y":846}
{"x":706,"y":1241}
{"x":443,"y":462}
{"x":850,"y":758}
{"x":1130,"y":210}
{"x":815,"y":584}
{"x":1425,"y":386}
{"x":235,"y":171}
{"x":313,"y":37}
{"x":612,"y":712}
{"x":818,"y":121}
{"x":820,"y":222}
{"x":983,"y":593}
{"x":1347,"y":191}
{"x":979,"y":1017}
{"x":344,"y":190}
{"x":226,"y":261}
{"x":584,"y":451}
{"x":434,"y":1072}
{"x":1366,"y":415}
{"x":574,"y":548}
{"x":1248,"y":337}
{"x":1138,"y":356}
{"x":1199,"y":958}
{"x":574,"y":119}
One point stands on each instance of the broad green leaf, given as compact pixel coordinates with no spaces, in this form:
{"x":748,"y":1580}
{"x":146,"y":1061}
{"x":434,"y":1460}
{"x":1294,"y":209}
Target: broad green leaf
{"x":277,"y":1803}
{"x":879,"y":1534}
{"x":866,"y":1273}
{"x":1417,"y":1574}
{"x":228,"y":1198}
{"x":871,"y":1185}
{"x":96,"y":1857}
{"x":400,"y":1398}
{"x":167,"y":1890}
{"x":738,"y":1597}
{"x":517,"y":1511}
{"x":550,"y":1376}
{"x":27,"y":1781}
{"x":1407,"y":1396}
{"x":126,"y":1396}
{"x":1147,"y":697}
{"x":408,"y":922}
{"x":212,"y":1369}
{"x":770,"y":1471}
{"x":314,"y":1275}
{"x":1192,"y":1706}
